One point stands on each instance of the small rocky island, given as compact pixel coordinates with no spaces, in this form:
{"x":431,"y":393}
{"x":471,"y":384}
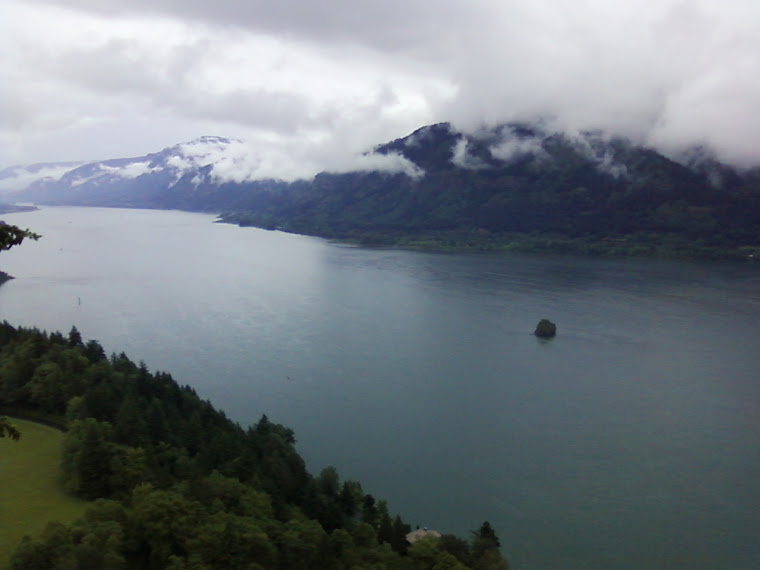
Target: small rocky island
{"x":545,"y":329}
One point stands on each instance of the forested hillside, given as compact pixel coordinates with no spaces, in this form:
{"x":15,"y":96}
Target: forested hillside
{"x":516,"y":187}
{"x":176,"y":484}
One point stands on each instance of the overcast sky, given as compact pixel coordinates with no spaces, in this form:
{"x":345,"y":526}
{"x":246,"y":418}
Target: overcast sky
{"x":314,"y":81}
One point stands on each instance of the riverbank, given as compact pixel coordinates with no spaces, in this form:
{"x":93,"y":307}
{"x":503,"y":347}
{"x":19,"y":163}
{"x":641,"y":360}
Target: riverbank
{"x":16,"y":208}
{"x":658,"y":245}
{"x":647,"y":245}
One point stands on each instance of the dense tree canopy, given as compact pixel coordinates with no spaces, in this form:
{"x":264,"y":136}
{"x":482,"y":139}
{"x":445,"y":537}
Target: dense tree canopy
{"x":176,"y":484}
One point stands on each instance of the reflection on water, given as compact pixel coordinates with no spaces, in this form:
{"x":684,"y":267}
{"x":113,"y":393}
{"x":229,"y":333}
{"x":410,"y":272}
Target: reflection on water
{"x":629,"y":441}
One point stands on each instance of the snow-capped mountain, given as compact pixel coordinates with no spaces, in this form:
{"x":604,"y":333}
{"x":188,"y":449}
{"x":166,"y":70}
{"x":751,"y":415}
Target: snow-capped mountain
{"x":17,"y":178}
{"x":125,"y":181}
{"x":192,"y":175}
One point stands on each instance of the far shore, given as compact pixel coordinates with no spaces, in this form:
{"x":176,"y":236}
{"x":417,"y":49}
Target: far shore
{"x":641,"y":245}
{"x":16,"y":208}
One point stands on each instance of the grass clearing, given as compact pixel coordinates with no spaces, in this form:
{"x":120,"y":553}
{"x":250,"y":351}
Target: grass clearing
{"x":30,"y":491}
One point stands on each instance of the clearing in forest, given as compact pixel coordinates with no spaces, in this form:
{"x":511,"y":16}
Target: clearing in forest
{"x":30,"y":490}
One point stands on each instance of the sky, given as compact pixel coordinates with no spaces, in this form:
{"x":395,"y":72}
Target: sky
{"x":315,"y":83}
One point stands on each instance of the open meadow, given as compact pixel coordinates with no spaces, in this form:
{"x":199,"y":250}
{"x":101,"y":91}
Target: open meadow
{"x":30,"y":490}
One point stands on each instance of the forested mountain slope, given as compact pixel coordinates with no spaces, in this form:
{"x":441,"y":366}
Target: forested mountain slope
{"x":516,"y":186}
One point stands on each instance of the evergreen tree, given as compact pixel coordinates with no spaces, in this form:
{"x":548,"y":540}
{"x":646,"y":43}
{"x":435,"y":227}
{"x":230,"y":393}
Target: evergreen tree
{"x":485,"y":549}
{"x":75,"y":339}
{"x":87,"y":459}
{"x":398,"y":536}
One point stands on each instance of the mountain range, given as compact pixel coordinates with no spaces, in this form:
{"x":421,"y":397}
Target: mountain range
{"x":440,"y":185}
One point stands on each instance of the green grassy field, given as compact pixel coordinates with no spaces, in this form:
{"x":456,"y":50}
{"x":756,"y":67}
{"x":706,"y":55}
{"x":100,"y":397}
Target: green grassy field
{"x":30,"y":492}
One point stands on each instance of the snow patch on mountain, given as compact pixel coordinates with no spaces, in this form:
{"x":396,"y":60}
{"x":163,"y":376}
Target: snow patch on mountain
{"x":199,"y":153}
{"x":131,"y":170}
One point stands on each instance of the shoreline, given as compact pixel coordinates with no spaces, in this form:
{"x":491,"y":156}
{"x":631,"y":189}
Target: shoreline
{"x":643,"y":245}
{"x":16,"y":208}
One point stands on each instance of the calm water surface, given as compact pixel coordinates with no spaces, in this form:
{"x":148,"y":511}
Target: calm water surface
{"x":629,"y":441}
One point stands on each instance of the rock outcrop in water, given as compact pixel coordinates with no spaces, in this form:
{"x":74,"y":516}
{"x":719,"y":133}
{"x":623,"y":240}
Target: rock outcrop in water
{"x":545,"y":329}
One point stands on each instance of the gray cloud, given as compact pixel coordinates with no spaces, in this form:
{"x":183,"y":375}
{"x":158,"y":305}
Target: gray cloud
{"x":340,"y":76}
{"x":668,"y":73}
{"x":117,"y":70}
{"x":390,"y":25}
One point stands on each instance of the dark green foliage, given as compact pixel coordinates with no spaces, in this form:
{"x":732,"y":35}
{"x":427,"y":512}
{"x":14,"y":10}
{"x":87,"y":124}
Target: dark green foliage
{"x":11,"y":235}
{"x":485,"y":549}
{"x":350,"y":497}
{"x":398,"y":536}
{"x":8,"y":430}
{"x":75,"y":338}
{"x":455,"y":546}
{"x":178,"y":485}
{"x":385,"y":529}
{"x":87,"y":455}
{"x":225,"y":540}
{"x":369,"y":511}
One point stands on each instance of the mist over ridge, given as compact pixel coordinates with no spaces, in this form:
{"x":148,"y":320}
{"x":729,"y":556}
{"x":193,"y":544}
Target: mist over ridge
{"x":215,"y":160}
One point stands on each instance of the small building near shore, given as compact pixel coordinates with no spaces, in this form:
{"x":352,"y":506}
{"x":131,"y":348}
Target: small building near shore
{"x":416,"y":535}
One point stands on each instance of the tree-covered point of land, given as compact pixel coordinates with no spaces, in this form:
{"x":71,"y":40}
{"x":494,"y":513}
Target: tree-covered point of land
{"x":176,"y":484}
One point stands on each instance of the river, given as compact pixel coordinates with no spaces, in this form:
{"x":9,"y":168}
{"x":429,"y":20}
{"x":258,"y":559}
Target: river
{"x":628,"y":441}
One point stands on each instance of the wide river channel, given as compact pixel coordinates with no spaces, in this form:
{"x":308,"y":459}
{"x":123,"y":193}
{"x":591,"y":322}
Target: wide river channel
{"x":631,"y":440}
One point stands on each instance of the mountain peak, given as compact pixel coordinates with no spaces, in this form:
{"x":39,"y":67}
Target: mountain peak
{"x":209,"y":140}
